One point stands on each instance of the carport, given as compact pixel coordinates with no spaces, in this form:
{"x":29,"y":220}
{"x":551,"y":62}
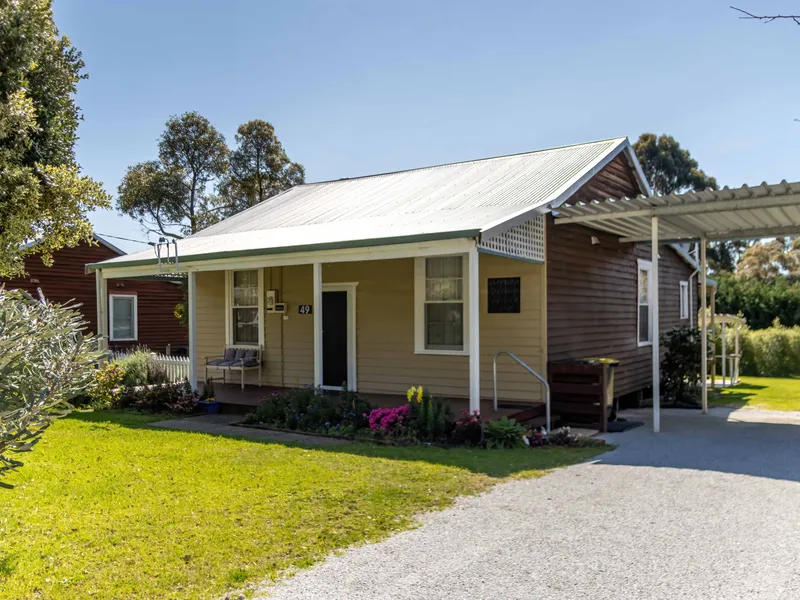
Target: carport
{"x":711,"y":215}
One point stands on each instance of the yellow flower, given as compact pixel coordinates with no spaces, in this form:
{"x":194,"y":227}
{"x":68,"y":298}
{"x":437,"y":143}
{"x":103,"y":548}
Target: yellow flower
{"x":410,"y":393}
{"x":419,"y":394}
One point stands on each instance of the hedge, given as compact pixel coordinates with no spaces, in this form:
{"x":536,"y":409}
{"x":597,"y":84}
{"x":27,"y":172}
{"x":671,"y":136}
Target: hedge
{"x":771,"y":352}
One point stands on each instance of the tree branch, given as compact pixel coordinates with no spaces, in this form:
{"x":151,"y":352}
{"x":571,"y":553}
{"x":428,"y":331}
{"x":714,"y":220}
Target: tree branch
{"x":766,"y":18}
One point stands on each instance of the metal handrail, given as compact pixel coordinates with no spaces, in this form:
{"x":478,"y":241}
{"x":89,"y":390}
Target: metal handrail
{"x":532,"y":372}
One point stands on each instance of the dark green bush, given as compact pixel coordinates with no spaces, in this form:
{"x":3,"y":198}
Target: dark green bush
{"x":760,"y":302}
{"x":680,"y":366}
{"x":312,"y":409}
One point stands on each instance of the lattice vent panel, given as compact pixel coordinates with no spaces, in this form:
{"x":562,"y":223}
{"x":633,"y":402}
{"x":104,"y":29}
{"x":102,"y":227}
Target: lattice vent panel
{"x":523,"y":241}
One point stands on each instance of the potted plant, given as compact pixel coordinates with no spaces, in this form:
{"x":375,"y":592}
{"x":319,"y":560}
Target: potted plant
{"x":208,"y":403}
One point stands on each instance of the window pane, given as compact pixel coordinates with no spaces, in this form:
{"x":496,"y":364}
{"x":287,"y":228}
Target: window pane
{"x":684,"y":301}
{"x":122,"y":317}
{"x":644,"y":323}
{"x":443,"y":267}
{"x":443,"y":289}
{"x":245,"y":326}
{"x":245,"y":288}
{"x":444,"y":326}
{"x":644,"y":276}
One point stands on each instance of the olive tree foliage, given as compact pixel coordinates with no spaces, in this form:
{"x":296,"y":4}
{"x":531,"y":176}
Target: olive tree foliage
{"x":45,"y":361}
{"x":43,"y":195}
{"x":169,"y":196}
{"x":259,"y":168}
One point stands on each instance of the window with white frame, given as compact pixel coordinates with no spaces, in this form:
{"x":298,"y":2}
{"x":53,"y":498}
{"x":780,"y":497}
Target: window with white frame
{"x":123,"y":323}
{"x":684,"y":288}
{"x":644,"y":294}
{"x":244,"y":320}
{"x":440,"y":304}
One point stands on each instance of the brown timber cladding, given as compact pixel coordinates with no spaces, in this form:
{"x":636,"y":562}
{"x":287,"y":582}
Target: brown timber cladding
{"x":67,"y":280}
{"x":592,"y":300}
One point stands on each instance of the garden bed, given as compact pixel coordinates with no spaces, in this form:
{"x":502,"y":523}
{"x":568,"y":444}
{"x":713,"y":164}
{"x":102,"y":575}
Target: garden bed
{"x":422,"y":420}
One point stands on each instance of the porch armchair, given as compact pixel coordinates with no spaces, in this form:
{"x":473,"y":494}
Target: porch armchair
{"x":236,"y":358}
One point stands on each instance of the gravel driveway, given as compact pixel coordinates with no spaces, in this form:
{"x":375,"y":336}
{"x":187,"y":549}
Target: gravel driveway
{"x":707,"y":509}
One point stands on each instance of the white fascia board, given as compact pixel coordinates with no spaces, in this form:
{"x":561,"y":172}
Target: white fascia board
{"x":387,"y":252}
{"x":637,"y":168}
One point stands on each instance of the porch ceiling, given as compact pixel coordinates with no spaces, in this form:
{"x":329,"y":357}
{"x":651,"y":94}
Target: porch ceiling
{"x":726,"y":214}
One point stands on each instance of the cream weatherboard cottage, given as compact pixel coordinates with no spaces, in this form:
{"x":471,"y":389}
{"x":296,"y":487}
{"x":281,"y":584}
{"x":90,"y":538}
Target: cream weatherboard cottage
{"x":423,"y":276}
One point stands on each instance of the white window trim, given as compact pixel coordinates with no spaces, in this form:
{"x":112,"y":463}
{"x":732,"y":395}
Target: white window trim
{"x":111,"y":298}
{"x":647,"y":265}
{"x":419,"y":307}
{"x":229,"y":308}
{"x":684,"y":300}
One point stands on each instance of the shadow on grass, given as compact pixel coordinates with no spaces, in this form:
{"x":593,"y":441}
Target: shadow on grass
{"x":493,"y":463}
{"x":736,"y":396}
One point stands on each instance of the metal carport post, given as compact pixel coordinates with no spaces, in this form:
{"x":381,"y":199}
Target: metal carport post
{"x":711,"y":215}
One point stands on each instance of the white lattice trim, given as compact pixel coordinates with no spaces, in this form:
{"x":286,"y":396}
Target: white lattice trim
{"x":524,"y":241}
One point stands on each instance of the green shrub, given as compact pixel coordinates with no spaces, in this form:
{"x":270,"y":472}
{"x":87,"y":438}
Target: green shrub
{"x":136,"y":367}
{"x":504,"y":433}
{"x":156,"y":398}
{"x":312,"y":409}
{"x":772,"y":352}
{"x":431,"y":418}
{"x":680,"y":366}
{"x":104,"y":390}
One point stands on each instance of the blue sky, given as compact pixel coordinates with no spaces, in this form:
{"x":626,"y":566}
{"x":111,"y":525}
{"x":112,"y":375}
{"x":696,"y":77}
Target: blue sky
{"x":354,"y":88}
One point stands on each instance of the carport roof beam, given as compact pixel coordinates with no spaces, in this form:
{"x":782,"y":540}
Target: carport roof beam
{"x":740,"y":213}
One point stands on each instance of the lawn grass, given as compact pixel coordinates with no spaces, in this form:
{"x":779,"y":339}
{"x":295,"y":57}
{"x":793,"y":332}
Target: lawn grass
{"x":771,"y":393}
{"x":108,"y":507}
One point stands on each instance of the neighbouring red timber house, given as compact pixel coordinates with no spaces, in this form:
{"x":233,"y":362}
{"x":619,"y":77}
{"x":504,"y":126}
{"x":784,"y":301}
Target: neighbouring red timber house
{"x":141,"y":311}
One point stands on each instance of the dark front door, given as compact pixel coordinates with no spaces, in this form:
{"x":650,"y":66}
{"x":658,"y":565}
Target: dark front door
{"x":334,"y":338}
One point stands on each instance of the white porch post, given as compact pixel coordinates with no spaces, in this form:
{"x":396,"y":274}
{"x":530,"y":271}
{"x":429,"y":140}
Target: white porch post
{"x":703,"y":326}
{"x":192,"y":308}
{"x":473,"y":303}
{"x":317,"y":313}
{"x":724,"y":354}
{"x":654,"y":312}
{"x":102,"y":310}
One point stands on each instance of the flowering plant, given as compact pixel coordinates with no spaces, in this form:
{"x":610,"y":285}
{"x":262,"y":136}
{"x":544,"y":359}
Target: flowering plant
{"x":414,"y":393}
{"x":468,"y":429}
{"x":388,"y":420}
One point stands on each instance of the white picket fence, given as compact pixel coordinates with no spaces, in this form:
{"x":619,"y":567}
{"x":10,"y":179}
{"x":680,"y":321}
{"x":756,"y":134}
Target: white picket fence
{"x":176,"y":367}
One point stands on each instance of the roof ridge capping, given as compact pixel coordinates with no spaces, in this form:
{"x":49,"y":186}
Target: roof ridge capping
{"x":463,"y":162}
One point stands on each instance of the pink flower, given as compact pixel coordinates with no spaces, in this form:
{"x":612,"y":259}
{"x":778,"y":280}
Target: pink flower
{"x":387,"y":419}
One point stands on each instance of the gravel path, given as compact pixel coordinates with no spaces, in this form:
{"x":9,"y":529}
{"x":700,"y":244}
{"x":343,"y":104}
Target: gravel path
{"x":708,"y":509}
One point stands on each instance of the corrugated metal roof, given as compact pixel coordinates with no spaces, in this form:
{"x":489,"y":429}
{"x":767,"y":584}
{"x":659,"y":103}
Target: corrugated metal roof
{"x":454,"y":200}
{"x":726,"y":214}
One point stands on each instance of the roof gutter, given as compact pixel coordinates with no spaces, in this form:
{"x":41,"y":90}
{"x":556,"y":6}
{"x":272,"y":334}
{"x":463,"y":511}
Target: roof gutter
{"x":366,"y":243}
